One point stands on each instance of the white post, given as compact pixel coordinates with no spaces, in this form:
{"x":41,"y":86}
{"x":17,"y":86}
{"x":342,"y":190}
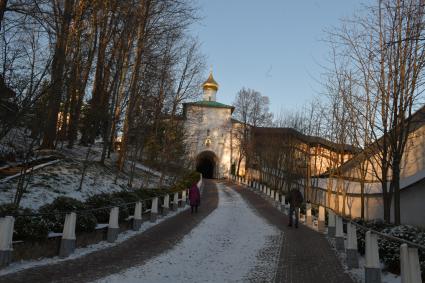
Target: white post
{"x":339,"y":234}
{"x":184,"y":198}
{"x":372,"y":264}
{"x":277,"y":197}
{"x":321,"y":220}
{"x":113,"y":227}
{"x":308,"y":217}
{"x":352,"y":255}
{"x":175,"y":201}
{"x":409,"y":265}
{"x":331,"y":223}
{"x":283,"y":205}
{"x":199,"y":185}
{"x":166,"y":204}
{"x":6,"y":237}
{"x":137,"y":219}
{"x":154,"y":209}
{"x":68,"y":235}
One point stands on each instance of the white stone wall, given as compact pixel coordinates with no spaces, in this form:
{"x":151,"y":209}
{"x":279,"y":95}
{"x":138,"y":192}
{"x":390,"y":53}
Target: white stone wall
{"x":218,"y":121}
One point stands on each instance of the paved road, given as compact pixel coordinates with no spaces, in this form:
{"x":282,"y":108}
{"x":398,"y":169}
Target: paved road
{"x":134,"y":251}
{"x":232,"y":244}
{"x":232,"y":240}
{"x":306,"y":255}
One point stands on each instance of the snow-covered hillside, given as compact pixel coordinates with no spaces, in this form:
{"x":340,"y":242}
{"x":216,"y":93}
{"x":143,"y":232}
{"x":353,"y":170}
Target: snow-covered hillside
{"x":63,"y":178}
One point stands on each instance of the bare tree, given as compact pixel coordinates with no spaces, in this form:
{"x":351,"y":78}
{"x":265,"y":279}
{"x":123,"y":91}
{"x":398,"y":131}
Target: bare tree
{"x":251,"y":110}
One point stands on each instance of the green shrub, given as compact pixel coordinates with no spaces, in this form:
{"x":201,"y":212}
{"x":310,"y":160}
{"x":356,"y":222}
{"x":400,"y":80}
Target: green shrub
{"x":106,"y":200}
{"x":26,"y":227}
{"x":85,"y":222}
{"x":186,"y":182}
{"x":377,"y":225}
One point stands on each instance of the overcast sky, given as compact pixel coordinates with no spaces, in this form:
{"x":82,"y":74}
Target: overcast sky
{"x":273,"y":46}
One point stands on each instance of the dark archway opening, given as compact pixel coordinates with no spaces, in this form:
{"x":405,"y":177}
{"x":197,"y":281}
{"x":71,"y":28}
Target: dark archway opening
{"x":205,"y":164}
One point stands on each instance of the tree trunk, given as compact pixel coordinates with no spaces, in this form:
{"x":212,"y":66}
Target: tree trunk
{"x":3,"y":4}
{"x":55,"y":93}
{"x":396,"y":186}
{"x":134,"y":82}
{"x":362,"y":199}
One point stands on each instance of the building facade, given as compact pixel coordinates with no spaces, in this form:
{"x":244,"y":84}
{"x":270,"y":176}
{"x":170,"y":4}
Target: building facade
{"x":209,"y":131}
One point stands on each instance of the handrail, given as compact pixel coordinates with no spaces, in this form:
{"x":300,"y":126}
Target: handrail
{"x":362,"y":227}
{"x":80,"y":212}
{"x":410,"y":243}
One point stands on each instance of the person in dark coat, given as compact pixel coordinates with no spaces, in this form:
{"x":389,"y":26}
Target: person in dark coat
{"x":194,"y":198}
{"x":295,"y":199}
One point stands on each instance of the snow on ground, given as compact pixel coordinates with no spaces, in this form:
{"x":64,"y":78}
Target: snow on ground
{"x":79,"y":252}
{"x":63,"y":179}
{"x":233,"y":244}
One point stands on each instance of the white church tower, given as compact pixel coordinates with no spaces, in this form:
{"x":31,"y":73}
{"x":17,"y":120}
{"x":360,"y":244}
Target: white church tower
{"x":208,"y":125}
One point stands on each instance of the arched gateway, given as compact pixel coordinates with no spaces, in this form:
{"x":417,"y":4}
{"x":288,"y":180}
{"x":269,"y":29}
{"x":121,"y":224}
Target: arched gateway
{"x":209,"y":133}
{"x":206,"y":163}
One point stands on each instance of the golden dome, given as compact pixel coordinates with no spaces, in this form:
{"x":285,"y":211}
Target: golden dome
{"x":210,"y":83}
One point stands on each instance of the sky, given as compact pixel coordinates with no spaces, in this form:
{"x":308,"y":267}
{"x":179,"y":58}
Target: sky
{"x":273,"y":46}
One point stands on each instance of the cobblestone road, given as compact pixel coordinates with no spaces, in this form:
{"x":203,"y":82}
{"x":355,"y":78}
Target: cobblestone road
{"x":134,"y":251}
{"x":305,"y":256}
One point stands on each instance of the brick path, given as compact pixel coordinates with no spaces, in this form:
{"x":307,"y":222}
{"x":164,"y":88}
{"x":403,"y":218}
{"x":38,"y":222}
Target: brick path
{"x":306,"y":255}
{"x":132,"y":252}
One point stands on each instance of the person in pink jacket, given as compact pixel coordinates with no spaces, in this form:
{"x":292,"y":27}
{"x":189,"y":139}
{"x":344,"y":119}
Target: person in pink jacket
{"x":194,"y":198}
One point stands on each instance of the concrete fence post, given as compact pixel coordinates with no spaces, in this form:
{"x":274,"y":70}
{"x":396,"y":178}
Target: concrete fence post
{"x":154,"y":210}
{"x":283,"y":205}
{"x":166,"y":205}
{"x":6,"y":236}
{"x":321,"y":220}
{"x":372,"y":264}
{"x":339,"y":234}
{"x":68,"y":235}
{"x":113,"y":227}
{"x":331,"y":223}
{"x":137,"y":218}
{"x":199,"y":184}
{"x":409,"y":265}
{"x":184,"y":198}
{"x":277,"y":197}
{"x":175,"y":201}
{"x":308,"y":217}
{"x":352,"y":255}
